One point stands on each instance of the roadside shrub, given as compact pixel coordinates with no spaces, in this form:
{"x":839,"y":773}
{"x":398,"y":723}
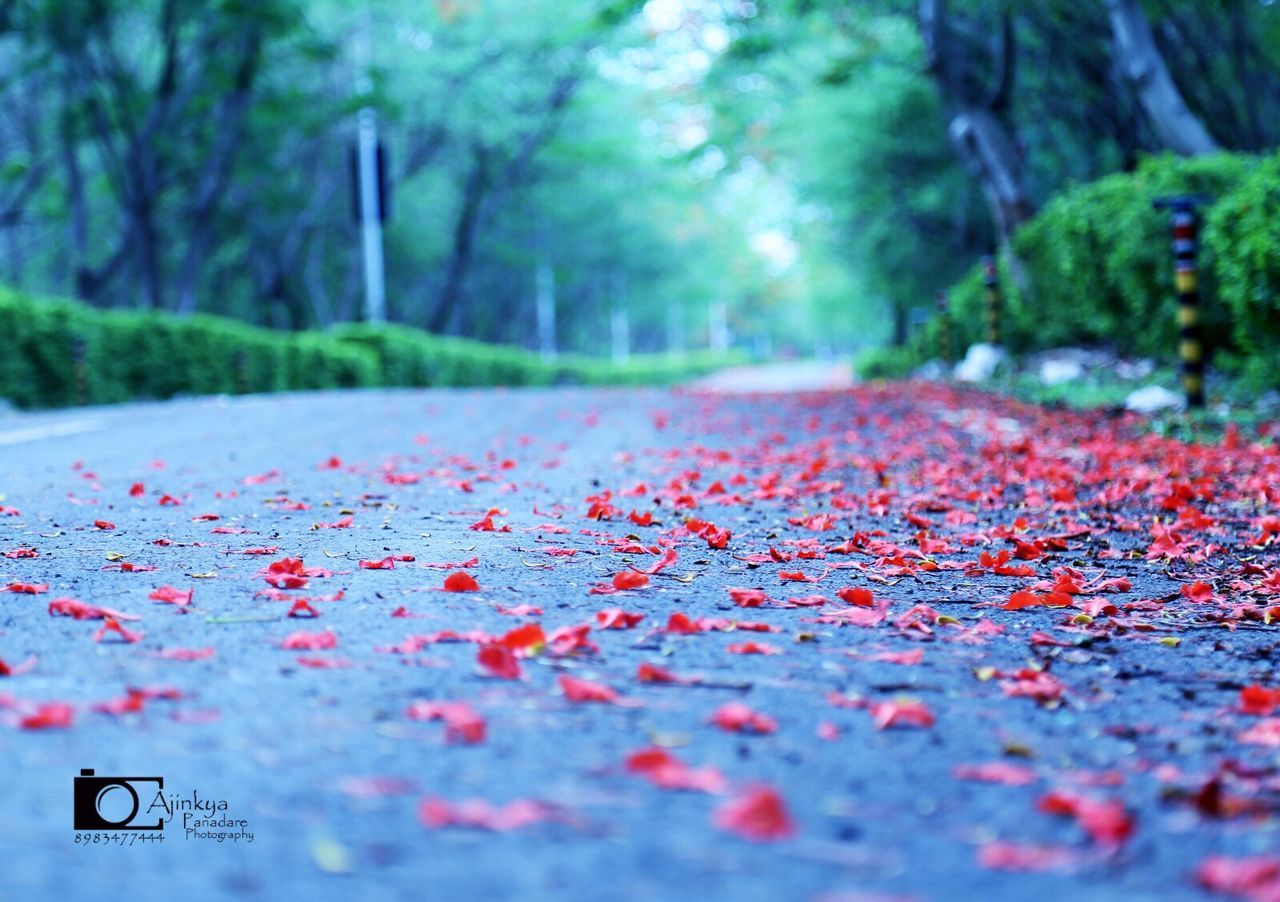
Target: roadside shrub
{"x":888,"y":362}
{"x":1244,"y":230}
{"x":60,"y":353}
{"x":1096,"y":266}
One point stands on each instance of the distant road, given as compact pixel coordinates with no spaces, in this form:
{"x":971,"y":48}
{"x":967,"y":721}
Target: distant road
{"x":793,"y":376}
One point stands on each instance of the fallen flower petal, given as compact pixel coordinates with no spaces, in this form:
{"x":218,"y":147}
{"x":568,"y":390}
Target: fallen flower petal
{"x":737,"y":717}
{"x":461,"y":582}
{"x":650,"y":673}
{"x":1105,"y":821}
{"x":1256,"y":878}
{"x":462,"y":723}
{"x":617,"y":619}
{"x":668,"y":772}
{"x":576,"y":690}
{"x":482,"y":815}
{"x":48,"y":716}
{"x":1020,"y":857}
{"x":170,"y":595}
{"x":111,"y":626}
{"x":753,"y":648}
{"x":70,"y":607}
{"x":185,"y":654}
{"x":13,"y":670}
{"x":759,"y":814}
{"x":630,"y":579}
{"x":387,"y":563}
{"x":856,"y":595}
{"x":1259,"y":700}
{"x":748,"y":598}
{"x":304,"y":641}
{"x":996,"y":772}
{"x":1265,"y":732}
{"x":499,"y":661}
{"x":900,"y":713}
{"x":324,"y":663}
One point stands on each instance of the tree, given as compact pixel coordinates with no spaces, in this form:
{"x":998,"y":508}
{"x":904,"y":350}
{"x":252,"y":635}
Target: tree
{"x":1177,"y":127}
{"x":979,"y":109}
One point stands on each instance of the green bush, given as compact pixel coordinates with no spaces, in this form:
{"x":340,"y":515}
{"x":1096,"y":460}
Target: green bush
{"x":411,"y":357}
{"x":888,"y":362}
{"x":1244,"y":230}
{"x":1096,"y":266}
{"x":408,"y":356}
{"x":60,"y":353}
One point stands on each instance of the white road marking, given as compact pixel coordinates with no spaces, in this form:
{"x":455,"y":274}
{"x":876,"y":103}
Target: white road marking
{"x":52,"y":430}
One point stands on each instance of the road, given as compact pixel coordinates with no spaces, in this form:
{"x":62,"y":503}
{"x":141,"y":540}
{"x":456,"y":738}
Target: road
{"x":906,"y":718}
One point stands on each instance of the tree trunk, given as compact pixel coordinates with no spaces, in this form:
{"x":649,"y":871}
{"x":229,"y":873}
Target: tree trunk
{"x":1241,"y":50}
{"x":464,"y":237}
{"x":232,"y":113}
{"x":900,"y":326}
{"x":980,"y":135}
{"x":1176,"y":127}
{"x":77,"y":214}
{"x":985,"y":145}
{"x":146,"y":254}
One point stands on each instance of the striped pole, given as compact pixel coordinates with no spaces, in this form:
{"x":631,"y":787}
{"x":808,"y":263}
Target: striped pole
{"x":1186,"y":283}
{"x":944,"y":326}
{"x":991,"y":280}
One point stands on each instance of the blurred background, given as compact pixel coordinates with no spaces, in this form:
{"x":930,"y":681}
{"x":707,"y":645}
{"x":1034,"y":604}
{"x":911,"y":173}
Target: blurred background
{"x":606,"y":178}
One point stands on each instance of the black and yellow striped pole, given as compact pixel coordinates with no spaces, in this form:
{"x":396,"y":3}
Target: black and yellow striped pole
{"x":944,"y":327}
{"x":991,"y":281}
{"x":1186,"y":283}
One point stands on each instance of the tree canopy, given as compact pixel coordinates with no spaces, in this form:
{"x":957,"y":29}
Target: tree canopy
{"x":817,"y":170}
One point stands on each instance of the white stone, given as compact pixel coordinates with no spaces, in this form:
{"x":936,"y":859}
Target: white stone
{"x":979,"y":363}
{"x":1152,"y":399}
{"x":1056,"y":371}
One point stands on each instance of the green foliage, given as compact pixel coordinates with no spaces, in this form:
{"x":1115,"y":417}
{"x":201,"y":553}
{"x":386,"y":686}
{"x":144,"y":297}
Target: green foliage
{"x":63,"y":353}
{"x":1096,"y":265}
{"x":876,"y":151}
{"x":888,"y":362}
{"x":414,"y":358}
{"x":1244,"y":228}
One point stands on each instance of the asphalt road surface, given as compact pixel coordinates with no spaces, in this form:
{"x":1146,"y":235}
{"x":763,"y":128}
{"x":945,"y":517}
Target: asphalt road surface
{"x":897,"y":711}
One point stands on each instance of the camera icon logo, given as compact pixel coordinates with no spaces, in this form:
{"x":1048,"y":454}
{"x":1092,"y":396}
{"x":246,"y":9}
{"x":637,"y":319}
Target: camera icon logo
{"x":113,"y":803}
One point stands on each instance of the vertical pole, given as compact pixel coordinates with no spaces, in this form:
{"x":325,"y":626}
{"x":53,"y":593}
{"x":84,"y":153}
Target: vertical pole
{"x":375,"y":286}
{"x":1186,"y":278}
{"x":1186,"y":283}
{"x":546,"y":309}
{"x":675,"y":328}
{"x":619,"y":318}
{"x":944,"y":327}
{"x":718,"y":315}
{"x":991,"y":281}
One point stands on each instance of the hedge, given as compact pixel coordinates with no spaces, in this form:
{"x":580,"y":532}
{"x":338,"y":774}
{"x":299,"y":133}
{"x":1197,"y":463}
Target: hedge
{"x":60,"y":353}
{"x":1097,"y":268}
{"x":889,"y":362}
{"x":1247,"y":221}
{"x":407,"y":356}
